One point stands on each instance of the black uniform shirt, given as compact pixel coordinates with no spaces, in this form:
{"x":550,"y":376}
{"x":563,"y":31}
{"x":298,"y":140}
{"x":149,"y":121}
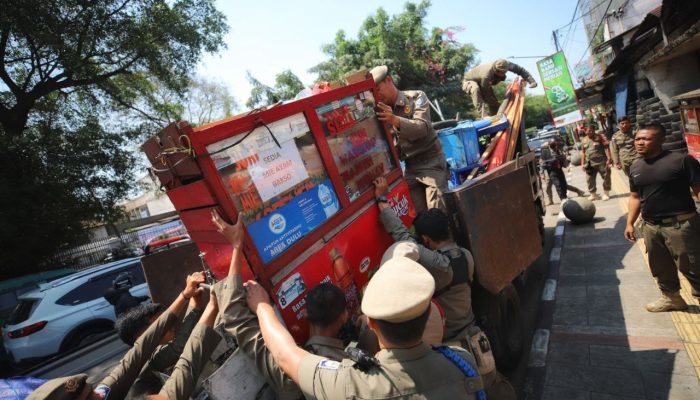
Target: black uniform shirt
{"x":663,"y":184}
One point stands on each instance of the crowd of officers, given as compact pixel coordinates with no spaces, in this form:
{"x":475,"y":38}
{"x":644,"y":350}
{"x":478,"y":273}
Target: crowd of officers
{"x":400,"y":353}
{"x":598,"y":155}
{"x":417,"y":336}
{"x":662,"y":210}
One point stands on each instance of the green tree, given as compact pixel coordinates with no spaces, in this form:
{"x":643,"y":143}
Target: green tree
{"x":287,"y":85}
{"x":203,"y":101}
{"x":73,"y":75}
{"x":418,"y":58}
{"x":536,"y":111}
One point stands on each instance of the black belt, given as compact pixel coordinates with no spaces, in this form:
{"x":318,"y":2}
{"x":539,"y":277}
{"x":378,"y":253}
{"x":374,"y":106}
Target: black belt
{"x":671,"y":220}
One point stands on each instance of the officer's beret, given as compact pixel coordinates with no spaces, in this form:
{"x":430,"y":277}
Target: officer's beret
{"x":401,"y":249}
{"x":379,"y":73}
{"x":501,"y":66}
{"x":400,"y":291}
{"x":66,"y":388}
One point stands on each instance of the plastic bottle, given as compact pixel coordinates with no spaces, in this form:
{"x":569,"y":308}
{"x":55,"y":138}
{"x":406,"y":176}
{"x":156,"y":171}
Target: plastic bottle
{"x":344,"y":280}
{"x":328,"y":200}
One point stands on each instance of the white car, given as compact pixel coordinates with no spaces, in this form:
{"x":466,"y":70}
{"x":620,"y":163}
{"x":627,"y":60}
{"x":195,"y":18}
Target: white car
{"x":68,"y":312}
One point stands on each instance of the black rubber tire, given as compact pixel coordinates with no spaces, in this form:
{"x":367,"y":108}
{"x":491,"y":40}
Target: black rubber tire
{"x":506,"y":328}
{"x":85,"y":336}
{"x":678,"y":145}
{"x":669,"y":118}
{"x":449,"y":123}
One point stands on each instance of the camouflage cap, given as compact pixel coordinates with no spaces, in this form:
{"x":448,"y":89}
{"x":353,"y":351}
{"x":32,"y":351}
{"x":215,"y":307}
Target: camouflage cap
{"x":65,"y":388}
{"x":379,"y":73}
{"x":501,"y":65}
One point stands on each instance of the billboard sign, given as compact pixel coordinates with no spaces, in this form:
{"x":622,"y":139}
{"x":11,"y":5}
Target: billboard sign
{"x":559,"y":90}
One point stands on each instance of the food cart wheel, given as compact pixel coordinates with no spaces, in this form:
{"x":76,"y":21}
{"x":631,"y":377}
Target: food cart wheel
{"x":505,"y":328}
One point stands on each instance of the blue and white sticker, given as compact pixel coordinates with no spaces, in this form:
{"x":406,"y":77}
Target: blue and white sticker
{"x":328,"y":364}
{"x":103,"y":391}
{"x":292,"y":288}
{"x":277,"y":223}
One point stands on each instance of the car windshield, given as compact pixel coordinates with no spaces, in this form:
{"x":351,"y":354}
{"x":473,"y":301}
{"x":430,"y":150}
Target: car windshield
{"x":22,"y":311}
{"x":537,"y":143}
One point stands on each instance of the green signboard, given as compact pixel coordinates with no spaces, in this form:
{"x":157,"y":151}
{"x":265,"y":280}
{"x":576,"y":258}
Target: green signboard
{"x":559,"y":90}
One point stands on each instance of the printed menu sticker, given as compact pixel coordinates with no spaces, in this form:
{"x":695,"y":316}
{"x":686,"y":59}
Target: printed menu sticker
{"x":278,"y":169}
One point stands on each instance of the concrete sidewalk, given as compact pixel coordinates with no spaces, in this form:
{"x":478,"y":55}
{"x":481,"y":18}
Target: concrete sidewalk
{"x":596,"y":340}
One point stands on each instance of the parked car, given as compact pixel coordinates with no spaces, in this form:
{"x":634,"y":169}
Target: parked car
{"x":544,"y":137}
{"x":67,"y":313}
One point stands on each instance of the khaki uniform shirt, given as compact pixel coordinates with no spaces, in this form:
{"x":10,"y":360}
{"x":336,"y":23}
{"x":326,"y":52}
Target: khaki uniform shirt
{"x":622,"y":148}
{"x":195,"y":356}
{"x":455,"y":302}
{"x":125,"y":373}
{"x":164,"y":358}
{"x":328,"y":347}
{"x":415,"y":373}
{"x":416,"y":138}
{"x":594,"y":149}
{"x":485,"y":77}
{"x":243,"y":325}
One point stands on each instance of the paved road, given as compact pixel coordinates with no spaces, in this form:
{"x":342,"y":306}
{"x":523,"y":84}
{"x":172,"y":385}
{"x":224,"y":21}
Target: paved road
{"x":96,"y":360}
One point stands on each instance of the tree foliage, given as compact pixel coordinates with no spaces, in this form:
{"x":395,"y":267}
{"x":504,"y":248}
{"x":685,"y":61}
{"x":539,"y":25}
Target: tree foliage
{"x":537,"y":111}
{"x":73,"y":74}
{"x":203,"y":101}
{"x":420,"y":59}
{"x":287,"y":85}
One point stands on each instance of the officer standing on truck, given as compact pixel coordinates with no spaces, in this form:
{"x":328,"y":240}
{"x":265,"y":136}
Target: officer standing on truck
{"x":408,"y":113}
{"x":478,"y":83}
{"x":622,"y":146}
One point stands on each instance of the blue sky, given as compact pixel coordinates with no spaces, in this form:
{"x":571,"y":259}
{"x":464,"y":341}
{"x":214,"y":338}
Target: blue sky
{"x":267,"y":37}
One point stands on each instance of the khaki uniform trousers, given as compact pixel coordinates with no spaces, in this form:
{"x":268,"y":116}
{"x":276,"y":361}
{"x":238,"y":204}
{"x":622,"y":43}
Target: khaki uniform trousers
{"x":496,"y":385}
{"x":427,"y":179}
{"x":674,"y":247}
{"x":604,"y":172}
{"x":195,"y":356}
{"x":482,"y":108}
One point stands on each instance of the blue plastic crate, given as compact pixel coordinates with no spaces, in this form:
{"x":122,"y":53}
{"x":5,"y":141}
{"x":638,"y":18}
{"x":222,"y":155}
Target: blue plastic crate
{"x":453,"y":147}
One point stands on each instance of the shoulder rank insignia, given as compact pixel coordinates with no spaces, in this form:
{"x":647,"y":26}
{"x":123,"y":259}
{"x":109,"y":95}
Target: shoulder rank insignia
{"x":407,"y":109}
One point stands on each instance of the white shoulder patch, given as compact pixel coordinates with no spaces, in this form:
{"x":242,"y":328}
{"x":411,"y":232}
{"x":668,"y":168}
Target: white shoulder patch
{"x":328,"y":364}
{"x":103,"y":391}
{"x":422,"y":100}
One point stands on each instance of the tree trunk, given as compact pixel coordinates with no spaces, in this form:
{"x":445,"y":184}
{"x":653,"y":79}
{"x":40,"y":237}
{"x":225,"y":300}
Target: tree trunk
{"x":14,"y":120}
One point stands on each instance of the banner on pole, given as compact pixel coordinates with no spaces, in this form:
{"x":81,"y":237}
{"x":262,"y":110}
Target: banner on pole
{"x":559,"y":90}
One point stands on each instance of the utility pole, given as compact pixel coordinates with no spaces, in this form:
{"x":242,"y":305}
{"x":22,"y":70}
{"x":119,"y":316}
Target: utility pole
{"x":556,"y":40}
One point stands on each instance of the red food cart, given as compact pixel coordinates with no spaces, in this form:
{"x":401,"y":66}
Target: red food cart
{"x":301,"y":174}
{"x":690,"y":110}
